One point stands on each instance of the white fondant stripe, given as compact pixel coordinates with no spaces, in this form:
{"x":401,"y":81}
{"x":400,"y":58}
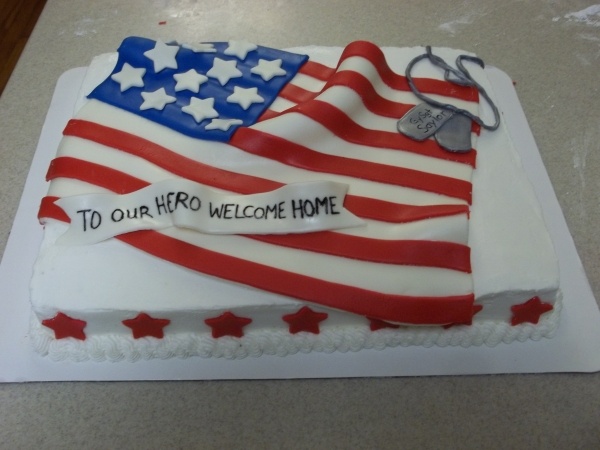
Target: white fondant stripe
{"x":281,"y":104}
{"x":307,"y":82}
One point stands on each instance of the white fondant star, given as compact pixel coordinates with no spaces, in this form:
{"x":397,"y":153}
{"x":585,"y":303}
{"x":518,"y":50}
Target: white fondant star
{"x":163,"y":56}
{"x":200,"y":48}
{"x":223,"y":124}
{"x":245,"y":97}
{"x":201,"y":108}
{"x":129,"y":76}
{"x":268,"y":69}
{"x":190,"y":80}
{"x":156,"y":100}
{"x":239,"y":49}
{"x":224,"y":70}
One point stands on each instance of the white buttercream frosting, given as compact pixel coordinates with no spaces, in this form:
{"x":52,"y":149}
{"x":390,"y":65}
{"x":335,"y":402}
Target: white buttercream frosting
{"x":270,"y":341}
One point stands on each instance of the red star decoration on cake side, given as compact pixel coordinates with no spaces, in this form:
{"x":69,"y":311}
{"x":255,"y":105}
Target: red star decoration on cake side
{"x":65,"y":326}
{"x":530,"y":311}
{"x":378,"y":324}
{"x":227,"y":324}
{"x":143,"y":325}
{"x":305,"y":320}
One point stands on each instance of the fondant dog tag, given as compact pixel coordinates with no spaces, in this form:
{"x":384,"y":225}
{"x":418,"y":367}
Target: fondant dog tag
{"x":422,"y":121}
{"x":455,"y":135}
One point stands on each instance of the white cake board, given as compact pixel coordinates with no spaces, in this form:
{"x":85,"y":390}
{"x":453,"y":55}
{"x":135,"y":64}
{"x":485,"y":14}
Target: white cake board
{"x":575,"y":348}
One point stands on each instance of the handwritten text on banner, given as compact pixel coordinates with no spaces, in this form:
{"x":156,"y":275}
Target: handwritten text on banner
{"x":294,"y":208}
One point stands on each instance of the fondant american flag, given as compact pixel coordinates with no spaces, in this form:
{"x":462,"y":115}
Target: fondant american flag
{"x":321,"y":122}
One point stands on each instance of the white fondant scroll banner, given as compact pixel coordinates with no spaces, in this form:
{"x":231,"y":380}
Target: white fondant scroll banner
{"x":293,"y":208}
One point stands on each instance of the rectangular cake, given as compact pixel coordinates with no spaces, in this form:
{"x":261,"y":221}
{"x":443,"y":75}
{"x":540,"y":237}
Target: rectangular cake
{"x":229,"y":199}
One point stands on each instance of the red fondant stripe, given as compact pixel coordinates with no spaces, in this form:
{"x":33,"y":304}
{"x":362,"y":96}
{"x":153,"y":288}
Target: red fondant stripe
{"x":296,"y":94}
{"x":394,"y":308}
{"x":370,"y":97}
{"x":286,"y":152}
{"x":445,"y":255}
{"x":345,"y":128}
{"x":399,"y":213}
{"x":317,"y":70}
{"x":212,"y":176}
{"x":50,"y":210}
{"x":268,"y":114}
{"x":371,"y":52}
{"x":97,"y":174}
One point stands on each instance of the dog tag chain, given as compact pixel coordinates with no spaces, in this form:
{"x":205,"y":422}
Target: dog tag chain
{"x":450,"y":125}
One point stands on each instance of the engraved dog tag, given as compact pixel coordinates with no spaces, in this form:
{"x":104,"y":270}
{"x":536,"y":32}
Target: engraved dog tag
{"x":455,"y":135}
{"x":422,"y":121}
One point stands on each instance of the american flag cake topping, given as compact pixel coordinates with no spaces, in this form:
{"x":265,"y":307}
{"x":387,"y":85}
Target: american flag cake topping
{"x":242,"y":120}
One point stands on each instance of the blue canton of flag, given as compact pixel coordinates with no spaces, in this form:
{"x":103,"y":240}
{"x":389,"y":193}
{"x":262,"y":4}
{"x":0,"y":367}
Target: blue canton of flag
{"x":205,"y":91}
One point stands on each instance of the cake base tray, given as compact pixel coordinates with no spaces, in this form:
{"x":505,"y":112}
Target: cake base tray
{"x":575,"y":347}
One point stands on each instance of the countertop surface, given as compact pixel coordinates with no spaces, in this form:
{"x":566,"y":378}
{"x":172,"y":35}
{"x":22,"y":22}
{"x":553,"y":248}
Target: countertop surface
{"x":552,"y":52}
